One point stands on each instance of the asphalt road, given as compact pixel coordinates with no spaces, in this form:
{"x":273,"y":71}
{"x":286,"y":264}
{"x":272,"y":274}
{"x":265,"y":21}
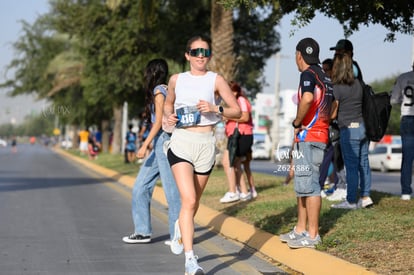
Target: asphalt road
{"x":388,"y":182}
{"x":59,"y":218}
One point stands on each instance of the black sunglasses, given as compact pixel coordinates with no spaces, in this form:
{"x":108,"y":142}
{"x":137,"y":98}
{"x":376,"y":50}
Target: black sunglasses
{"x":198,"y":51}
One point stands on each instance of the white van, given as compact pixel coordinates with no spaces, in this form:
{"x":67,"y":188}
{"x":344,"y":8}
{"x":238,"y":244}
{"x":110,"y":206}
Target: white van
{"x":385,"y":157}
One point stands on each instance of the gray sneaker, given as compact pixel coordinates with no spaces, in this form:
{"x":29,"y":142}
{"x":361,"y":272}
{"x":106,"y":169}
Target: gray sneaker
{"x":305,"y":242}
{"x":292,"y":235}
{"x":345,"y":205}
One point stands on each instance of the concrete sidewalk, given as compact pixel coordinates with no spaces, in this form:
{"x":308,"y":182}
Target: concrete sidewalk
{"x":305,"y":260}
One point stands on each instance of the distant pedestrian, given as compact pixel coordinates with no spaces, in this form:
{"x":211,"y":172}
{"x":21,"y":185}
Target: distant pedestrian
{"x":402,"y":93}
{"x":327,"y":65}
{"x":98,"y":139}
{"x":311,"y":136}
{"x":93,"y":149}
{"x":14,"y":144}
{"x":144,"y":129}
{"x":131,"y":144}
{"x":325,"y":169}
{"x":191,"y":106}
{"x":243,"y":148}
{"x":156,"y":164}
{"x":32,"y":140}
{"x":83,"y":141}
{"x":332,"y":161}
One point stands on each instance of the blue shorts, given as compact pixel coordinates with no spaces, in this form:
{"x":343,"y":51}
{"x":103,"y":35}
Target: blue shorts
{"x":307,"y":157}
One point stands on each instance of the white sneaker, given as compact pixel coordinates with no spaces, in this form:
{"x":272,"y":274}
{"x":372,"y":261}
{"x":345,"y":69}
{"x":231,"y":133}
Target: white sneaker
{"x":176,"y":245}
{"x":192,"y":267}
{"x":406,"y":197}
{"x":246,"y":197}
{"x":364,"y":203}
{"x":230,"y":197}
{"x":254,"y":194}
{"x":338,"y":195}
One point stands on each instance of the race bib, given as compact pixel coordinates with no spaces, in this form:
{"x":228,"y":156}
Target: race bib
{"x":187,"y":116}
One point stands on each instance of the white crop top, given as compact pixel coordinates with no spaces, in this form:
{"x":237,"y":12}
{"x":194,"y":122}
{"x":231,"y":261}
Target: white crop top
{"x":190,"y":89}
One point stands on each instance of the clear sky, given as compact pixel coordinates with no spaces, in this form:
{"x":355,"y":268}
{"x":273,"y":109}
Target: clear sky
{"x":11,"y":12}
{"x":378,"y":59}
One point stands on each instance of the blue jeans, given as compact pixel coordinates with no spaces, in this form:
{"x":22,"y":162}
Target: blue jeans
{"x":354,"y":146}
{"x":155,"y":166}
{"x":407,"y":138}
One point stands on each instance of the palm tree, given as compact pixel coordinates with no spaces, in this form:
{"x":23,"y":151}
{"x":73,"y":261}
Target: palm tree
{"x":222,"y":32}
{"x":223,"y":60}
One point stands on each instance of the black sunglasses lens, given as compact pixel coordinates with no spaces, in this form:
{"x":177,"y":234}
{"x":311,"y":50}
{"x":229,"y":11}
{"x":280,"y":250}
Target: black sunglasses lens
{"x":198,"y":51}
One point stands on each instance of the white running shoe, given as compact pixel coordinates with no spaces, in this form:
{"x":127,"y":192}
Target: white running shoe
{"x":245,"y":197}
{"x":192,"y":267}
{"x":364,"y":203}
{"x":177,"y":246}
{"x":230,"y":197}
{"x":338,"y":195}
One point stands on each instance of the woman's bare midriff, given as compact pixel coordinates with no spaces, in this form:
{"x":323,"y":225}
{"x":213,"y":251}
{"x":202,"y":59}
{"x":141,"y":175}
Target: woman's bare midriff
{"x":200,"y":129}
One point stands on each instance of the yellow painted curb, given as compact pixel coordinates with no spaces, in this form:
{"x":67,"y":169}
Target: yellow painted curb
{"x":305,"y":260}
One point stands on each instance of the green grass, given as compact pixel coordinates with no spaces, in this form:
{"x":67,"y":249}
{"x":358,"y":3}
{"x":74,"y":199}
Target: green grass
{"x":379,"y":238}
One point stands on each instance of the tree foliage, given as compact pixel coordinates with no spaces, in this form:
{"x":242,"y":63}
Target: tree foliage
{"x":395,"y":16}
{"x":34,"y":50}
{"x":38,"y":125}
{"x":255,"y":41}
{"x":114,"y":44}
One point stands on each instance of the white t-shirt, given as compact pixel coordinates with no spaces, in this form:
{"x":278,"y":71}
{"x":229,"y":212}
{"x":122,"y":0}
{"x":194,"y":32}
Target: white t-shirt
{"x":403,"y":93}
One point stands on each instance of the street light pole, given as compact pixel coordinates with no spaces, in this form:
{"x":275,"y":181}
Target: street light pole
{"x":276,"y":111}
{"x":124,"y":124}
{"x":412,"y":53}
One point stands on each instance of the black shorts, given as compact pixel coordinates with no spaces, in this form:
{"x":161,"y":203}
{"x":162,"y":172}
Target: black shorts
{"x":244,"y":145}
{"x":173,"y":159}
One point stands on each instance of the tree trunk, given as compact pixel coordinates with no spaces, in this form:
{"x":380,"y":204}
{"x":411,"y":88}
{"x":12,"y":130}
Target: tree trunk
{"x":117,"y":130}
{"x":222,"y":32}
{"x":223,"y":60}
{"x":75,"y":138}
{"x":105,"y":135}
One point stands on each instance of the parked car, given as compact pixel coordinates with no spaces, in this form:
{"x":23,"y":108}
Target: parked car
{"x":385,"y":157}
{"x":3,"y":143}
{"x":259,"y":151}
